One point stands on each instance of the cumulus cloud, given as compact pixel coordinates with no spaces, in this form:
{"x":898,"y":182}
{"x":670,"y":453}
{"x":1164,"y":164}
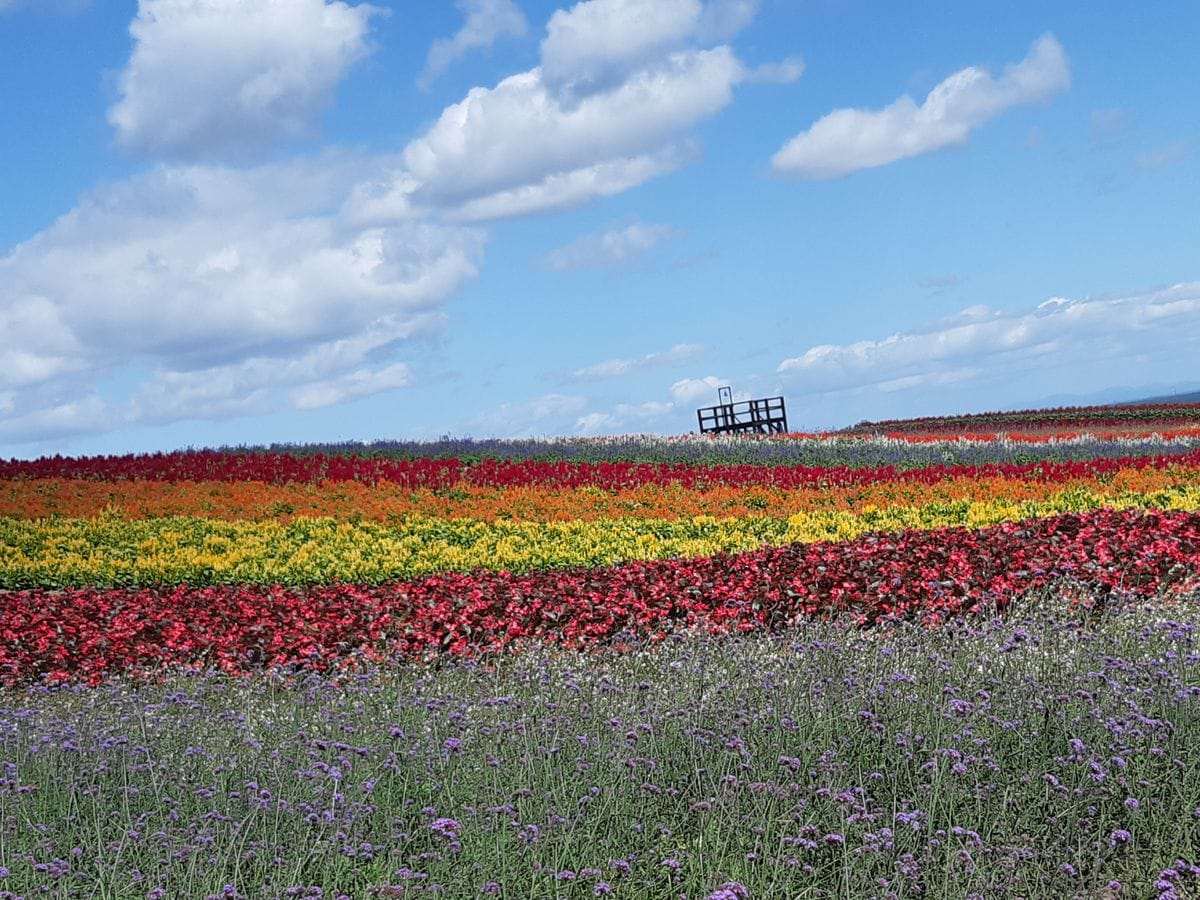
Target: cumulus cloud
{"x":980,"y":344}
{"x":848,"y":140}
{"x":557,"y":191}
{"x":689,"y":390}
{"x":610,"y":249}
{"x":352,"y":385}
{"x":620,"y":86}
{"x":231,"y":291}
{"x":598,"y":44}
{"x":221,"y":79}
{"x":678,"y":355}
{"x":487,"y":21}
{"x":518,"y":136}
{"x":200,"y":289}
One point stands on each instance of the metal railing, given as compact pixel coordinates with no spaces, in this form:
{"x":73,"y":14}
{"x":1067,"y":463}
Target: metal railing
{"x":765,"y":416}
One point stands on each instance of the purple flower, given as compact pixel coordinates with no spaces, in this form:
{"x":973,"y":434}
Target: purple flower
{"x":672,"y":864}
{"x":452,"y":745}
{"x":492,"y":887}
{"x":1119,"y":836}
{"x":730,"y":890}
{"x":1132,"y":803}
{"x":602,"y":889}
{"x":447,"y":828}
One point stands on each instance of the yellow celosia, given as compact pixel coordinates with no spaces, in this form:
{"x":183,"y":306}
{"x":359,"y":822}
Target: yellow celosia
{"x":112,"y":550}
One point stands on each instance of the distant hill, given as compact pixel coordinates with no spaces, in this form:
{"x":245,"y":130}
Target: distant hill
{"x":1193,"y":397}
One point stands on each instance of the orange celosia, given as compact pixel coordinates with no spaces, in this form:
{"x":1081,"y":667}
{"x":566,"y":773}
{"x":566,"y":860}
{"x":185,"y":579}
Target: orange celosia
{"x":350,"y":500}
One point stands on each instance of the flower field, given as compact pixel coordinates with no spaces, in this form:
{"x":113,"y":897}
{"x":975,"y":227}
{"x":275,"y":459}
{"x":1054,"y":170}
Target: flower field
{"x":896,"y":662}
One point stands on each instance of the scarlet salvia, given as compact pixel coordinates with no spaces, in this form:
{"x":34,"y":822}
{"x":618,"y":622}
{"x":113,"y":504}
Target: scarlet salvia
{"x":280,"y":468}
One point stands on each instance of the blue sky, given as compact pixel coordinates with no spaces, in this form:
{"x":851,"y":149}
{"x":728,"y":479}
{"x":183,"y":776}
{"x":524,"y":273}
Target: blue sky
{"x":250,"y":221}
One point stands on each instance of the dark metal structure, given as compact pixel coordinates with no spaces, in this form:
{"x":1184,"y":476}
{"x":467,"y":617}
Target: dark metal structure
{"x":765,"y":416}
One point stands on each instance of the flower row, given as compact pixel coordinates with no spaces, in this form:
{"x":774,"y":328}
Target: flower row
{"x":384,"y":501}
{"x":215,"y":465}
{"x":441,"y":474}
{"x":110,"y":550}
{"x":1074,"y":417}
{"x":87,"y":634}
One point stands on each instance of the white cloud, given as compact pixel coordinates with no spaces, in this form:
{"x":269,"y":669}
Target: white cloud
{"x":981,"y":345}
{"x":230,"y":290}
{"x":487,"y":21}
{"x":689,"y":390}
{"x":557,"y":191}
{"x":620,"y":86}
{"x":722,"y":19}
{"x":783,"y":72}
{"x":219,"y":79}
{"x":353,"y":385}
{"x":596,"y":423}
{"x":204,"y":291}
{"x":614,"y":248}
{"x":616,"y":368}
{"x":598,"y":44}
{"x":623,"y":417}
{"x":847,"y":140}
{"x":518,"y":136}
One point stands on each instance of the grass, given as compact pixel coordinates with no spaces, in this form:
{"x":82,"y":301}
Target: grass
{"x":1049,"y":754}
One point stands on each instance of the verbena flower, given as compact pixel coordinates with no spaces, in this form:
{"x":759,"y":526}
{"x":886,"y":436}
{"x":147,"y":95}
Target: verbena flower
{"x":730,"y":890}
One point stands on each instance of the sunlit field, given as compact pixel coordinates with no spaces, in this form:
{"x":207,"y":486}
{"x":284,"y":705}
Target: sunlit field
{"x":934,"y":658}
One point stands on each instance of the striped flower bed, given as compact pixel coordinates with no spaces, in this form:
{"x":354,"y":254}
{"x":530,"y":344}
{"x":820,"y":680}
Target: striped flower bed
{"x":254,"y":558}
